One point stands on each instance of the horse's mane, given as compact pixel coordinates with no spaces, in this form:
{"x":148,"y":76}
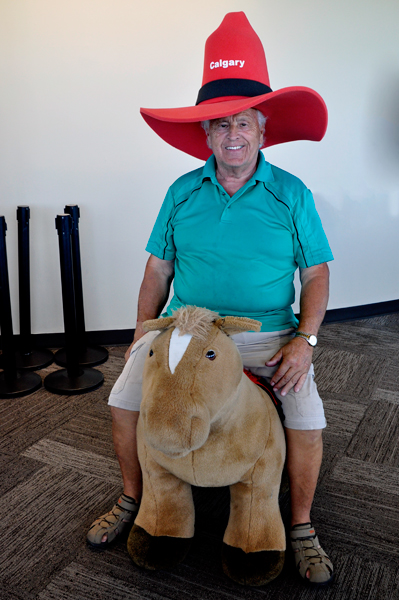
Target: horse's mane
{"x":194,"y":320}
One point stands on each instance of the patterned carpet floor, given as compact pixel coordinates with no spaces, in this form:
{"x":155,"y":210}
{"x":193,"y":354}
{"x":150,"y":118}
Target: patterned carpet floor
{"x":59,"y":472}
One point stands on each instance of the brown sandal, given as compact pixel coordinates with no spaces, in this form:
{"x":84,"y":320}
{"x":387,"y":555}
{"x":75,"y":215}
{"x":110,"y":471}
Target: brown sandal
{"x":113,"y":524}
{"x":310,"y":556}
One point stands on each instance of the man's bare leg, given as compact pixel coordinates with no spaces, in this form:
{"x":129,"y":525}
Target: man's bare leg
{"x":124,"y":425}
{"x":304,"y":456}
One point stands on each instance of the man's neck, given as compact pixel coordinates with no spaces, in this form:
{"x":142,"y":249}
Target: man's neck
{"x":234,"y":178}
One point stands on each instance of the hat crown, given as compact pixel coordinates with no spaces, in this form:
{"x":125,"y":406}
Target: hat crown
{"x":234,"y":51}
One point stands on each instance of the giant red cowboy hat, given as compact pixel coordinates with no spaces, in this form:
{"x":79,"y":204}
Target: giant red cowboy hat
{"x":236,"y":79}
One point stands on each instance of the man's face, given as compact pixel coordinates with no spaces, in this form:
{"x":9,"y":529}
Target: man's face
{"x":235,"y":140}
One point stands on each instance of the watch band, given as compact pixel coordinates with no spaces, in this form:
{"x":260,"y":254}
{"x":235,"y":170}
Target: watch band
{"x":309,"y":337}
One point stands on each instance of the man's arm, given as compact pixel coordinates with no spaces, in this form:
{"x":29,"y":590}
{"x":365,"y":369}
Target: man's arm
{"x":154,"y":293}
{"x":295,"y":357}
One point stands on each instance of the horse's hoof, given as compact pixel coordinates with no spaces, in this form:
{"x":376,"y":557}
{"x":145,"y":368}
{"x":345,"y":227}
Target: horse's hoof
{"x":254,"y":568}
{"x":153,"y":553}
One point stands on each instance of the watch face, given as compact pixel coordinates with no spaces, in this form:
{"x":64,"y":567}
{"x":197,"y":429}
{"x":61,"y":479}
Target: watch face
{"x":312,"y":340}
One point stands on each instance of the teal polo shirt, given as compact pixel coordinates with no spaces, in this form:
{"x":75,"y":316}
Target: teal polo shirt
{"x":238,"y":255}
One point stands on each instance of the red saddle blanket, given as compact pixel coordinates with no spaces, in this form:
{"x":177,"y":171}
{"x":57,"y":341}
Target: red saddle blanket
{"x":264,"y":384}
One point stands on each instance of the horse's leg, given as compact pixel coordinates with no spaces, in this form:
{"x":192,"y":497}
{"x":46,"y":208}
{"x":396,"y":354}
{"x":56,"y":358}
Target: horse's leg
{"x":163,"y":529}
{"x":254,"y":541}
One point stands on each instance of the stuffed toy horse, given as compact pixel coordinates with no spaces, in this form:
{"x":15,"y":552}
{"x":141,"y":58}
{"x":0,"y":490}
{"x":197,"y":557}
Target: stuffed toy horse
{"x":203,"y":422}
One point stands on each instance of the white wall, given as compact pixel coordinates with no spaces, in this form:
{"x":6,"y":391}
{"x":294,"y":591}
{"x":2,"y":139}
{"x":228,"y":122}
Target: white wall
{"x":74,"y":74}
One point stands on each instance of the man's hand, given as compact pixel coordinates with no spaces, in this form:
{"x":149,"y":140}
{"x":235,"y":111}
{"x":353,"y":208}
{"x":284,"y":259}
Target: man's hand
{"x":295,"y":359}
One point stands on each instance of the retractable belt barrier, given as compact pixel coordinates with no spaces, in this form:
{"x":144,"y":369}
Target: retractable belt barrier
{"x":13,"y":383}
{"x":75,"y":378}
{"x":88,"y":356}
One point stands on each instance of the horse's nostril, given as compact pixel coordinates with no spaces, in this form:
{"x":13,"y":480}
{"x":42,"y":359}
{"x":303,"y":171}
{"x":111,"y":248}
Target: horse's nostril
{"x":211,"y":355}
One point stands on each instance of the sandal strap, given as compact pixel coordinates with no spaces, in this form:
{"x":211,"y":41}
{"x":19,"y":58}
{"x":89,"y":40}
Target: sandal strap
{"x":310,"y":555}
{"x":123,"y":510}
{"x":302,"y":531}
{"x":127,"y":503}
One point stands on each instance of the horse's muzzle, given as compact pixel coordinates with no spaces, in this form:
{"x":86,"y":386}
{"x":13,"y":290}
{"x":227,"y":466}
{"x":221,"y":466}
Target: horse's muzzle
{"x":175,"y":435}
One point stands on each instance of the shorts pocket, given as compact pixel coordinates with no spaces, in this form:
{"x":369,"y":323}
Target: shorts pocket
{"x":308,"y":402}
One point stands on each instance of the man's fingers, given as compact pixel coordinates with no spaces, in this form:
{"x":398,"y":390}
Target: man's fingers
{"x":288,"y":380}
{"x":299,"y":384}
{"x":275,"y":359}
{"x":281,"y":377}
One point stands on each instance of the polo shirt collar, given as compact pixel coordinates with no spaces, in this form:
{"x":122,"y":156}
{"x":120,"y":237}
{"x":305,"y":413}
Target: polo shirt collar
{"x":263,"y":172}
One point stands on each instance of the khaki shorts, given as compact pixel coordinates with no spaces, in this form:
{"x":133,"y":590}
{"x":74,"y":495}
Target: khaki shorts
{"x":302,"y":410}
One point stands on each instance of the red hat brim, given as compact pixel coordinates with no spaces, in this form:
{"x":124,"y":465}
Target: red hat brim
{"x":294,"y":113}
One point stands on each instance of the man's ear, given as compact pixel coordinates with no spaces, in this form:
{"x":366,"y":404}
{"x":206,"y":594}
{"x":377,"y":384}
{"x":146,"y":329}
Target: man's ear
{"x":154,"y":324}
{"x":262,"y":136}
{"x":232,"y":325}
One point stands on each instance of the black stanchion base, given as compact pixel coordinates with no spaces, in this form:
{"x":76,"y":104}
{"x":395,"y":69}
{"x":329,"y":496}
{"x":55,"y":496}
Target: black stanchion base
{"x":88,"y":357}
{"x":22,"y":385}
{"x":59,"y":382}
{"x":34,"y":360}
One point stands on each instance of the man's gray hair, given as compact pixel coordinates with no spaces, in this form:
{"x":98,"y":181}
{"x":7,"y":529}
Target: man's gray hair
{"x":261,"y":120}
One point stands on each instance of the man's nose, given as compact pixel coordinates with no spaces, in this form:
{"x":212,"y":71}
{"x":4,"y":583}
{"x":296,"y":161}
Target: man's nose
{"x":233,"y":131}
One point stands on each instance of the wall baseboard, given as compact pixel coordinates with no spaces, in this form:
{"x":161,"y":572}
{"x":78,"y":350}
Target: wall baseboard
{"x":122,"y":337}
{"x":365,"y":311}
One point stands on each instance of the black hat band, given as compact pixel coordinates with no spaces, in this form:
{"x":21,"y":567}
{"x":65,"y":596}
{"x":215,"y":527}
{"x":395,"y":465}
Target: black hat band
{"x":231,"y":87}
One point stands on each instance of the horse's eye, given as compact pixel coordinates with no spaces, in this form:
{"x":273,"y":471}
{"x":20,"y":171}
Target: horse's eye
{"x":151,"y":352}
{"x":211,"y":355}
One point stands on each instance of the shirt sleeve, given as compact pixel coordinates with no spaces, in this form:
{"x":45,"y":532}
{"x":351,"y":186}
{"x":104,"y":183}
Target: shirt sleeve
{"x":311,"y":246}
{"x":161,"y":242}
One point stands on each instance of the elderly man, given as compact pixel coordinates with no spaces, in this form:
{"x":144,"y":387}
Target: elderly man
{"x":231,"y":235}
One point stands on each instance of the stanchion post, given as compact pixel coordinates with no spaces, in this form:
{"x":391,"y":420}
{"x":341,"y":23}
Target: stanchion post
{"x":27,"y":357}
{"x":12,"y":383}
{"x":23,"y":214}
{"x":74,"y":379}
{"x":63,"y":224}
{"x":88,"y":355}
{"x":7,"y":336}
{"x":73,"y":210}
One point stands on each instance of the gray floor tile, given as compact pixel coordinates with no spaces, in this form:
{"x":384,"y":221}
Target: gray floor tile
{"x":357,"y":472}
{"x":87,"y":432}
{"x":359,"y":340}
{"x":82,"y":461}
{"x":343,"y":418}
{"x":377,"y":437}
{"x":42,"y":518}
{"x":339,"y":371}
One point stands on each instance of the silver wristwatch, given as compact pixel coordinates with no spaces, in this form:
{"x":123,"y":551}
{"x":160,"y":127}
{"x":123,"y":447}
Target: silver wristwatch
{"x":310,"y":338}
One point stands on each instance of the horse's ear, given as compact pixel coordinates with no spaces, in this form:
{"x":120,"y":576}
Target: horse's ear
{"x":232,"y":325}
{"x":154,"y":324}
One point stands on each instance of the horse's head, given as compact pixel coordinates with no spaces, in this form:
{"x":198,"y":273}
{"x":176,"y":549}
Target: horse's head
{"x":191,"y":373}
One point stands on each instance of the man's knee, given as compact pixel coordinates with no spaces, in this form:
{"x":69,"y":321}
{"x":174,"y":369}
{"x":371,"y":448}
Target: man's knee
{"x":304,"y":437}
